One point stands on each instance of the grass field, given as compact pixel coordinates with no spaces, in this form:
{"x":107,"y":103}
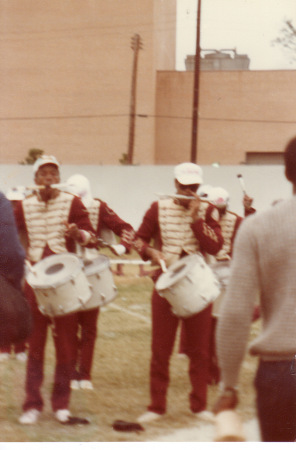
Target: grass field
{"x":120,"y":377}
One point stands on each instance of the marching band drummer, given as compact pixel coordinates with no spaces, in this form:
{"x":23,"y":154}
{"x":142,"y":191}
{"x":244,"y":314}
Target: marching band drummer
{"x":229,"y":222}
{"x":179,"y":227}
{"x":104,"y":221}
{"x":53,"y":221}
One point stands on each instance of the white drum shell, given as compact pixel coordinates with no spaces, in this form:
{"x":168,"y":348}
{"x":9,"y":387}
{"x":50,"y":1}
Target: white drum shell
{"x":100,"y":277}
{"x":60,"y":284}
{"x":222,"y":271}
{"x":189,"y":285}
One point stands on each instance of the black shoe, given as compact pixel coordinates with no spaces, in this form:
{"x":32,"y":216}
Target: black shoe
{"x":76,"y":421}
{"x":121,"y":425}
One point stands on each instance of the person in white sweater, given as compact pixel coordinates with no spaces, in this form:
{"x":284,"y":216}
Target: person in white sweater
{"x":264,"y":261}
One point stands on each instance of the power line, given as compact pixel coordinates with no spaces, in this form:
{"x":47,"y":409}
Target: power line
{"x":220,"y":119}
{"x":144,"y":116}
{"x":91,"y":116}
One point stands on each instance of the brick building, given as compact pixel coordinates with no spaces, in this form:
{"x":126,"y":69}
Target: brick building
{"x":65,"y":87}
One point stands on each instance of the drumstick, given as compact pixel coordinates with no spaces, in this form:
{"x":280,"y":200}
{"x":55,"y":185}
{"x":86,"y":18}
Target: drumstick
{"x":117,"y":249}
{"x":53,"y":186}
{"x":179,"y":196}
{"x":30,"y":267}
{"x":163,"y":265}
{"x":242,"y":183}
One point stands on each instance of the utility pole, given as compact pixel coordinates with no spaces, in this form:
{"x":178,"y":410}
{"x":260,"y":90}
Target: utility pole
{"x":136,"y":45}
{"x":194,"y":136}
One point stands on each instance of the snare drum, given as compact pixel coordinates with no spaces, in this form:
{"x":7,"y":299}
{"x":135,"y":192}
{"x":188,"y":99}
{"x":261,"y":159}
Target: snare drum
{"x":60,"y":284}
{"x":189,"y":285}
{"x":100,"y":278}
{"x":222,"y":271}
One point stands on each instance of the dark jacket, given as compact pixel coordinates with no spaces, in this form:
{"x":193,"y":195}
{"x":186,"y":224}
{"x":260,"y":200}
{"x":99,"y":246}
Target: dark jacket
{"x":12,"y":254}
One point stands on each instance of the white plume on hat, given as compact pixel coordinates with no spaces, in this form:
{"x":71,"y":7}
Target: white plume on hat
{"x":204,"y":190}
{"x":188,"y":173}
{"x":219,"y":197}
{"x":80,"y":185}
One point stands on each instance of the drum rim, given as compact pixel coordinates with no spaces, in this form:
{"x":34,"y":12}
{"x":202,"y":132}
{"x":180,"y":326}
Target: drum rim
{"x":104,"y":264}
{"x":30,"y":276}
{"x":187,"y":259}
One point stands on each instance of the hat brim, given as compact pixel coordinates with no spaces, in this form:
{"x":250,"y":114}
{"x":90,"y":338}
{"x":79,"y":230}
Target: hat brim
{"x":189,"y":179}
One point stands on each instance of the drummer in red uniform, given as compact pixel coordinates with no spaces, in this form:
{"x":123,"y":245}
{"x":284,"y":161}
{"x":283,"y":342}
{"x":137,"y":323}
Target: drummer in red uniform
{"x":105,"y":222}
{"x":53,"y":221}
{"x":179,"y":227}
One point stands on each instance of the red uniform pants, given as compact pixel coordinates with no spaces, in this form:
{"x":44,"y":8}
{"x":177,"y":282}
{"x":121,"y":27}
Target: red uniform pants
{"x":64,"y":341}
{"x":17,"y":348}
{"x":86,"y":334}
{"x":197,"y":329}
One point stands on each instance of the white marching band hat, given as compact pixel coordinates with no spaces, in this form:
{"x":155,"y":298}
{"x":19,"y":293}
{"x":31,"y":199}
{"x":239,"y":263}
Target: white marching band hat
{"x":43,"y":160}
{"x":219,"y":197}
{"x":188,"y":173}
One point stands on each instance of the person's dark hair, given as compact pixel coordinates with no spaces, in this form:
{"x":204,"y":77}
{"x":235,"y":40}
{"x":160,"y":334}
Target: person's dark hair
{"x":290,"y":160}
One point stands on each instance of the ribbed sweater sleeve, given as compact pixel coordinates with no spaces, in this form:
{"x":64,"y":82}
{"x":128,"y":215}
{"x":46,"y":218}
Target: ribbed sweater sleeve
{"x":264,"y":265}
{"x":237,"y":307}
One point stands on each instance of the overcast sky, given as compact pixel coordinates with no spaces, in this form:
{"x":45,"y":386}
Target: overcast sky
{"x":247,"y":25}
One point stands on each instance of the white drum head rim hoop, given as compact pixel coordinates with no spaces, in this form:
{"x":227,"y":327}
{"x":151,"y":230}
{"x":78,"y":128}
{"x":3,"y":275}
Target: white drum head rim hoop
{"x":96,"y":265}
{"x":54,"y":271}
{"x":177,"y":271}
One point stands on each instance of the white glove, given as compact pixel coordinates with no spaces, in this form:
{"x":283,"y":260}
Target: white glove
{"x":118,"y":249}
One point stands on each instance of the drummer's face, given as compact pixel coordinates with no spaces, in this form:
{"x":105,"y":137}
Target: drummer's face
{"x":47,"y":175}
{"x":186,"y":190}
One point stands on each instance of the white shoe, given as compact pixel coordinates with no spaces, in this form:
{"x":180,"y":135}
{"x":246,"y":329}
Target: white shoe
{"x":4,"y":356}
{"x":29,"y":417}
{"x":75,"y":385}
{"x":149,"y":416}
{"x":207,"y":416}
{"x":86,"y":384}
{"x":62,"y":415}
{"x":22,"y":356}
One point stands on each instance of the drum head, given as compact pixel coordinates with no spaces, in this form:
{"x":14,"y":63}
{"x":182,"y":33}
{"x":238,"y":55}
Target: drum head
{"x":96,"y":265}
{"x":176,"y":272}
{"x":54,"y":270}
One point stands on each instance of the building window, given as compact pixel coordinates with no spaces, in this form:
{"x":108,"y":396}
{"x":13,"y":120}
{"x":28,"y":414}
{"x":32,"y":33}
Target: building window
{"x":264,"y":158}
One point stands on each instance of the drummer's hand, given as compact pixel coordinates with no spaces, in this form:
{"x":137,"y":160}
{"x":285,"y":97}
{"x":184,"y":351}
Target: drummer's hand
{"x":247,"y":202}
{"x":156,"y":256}
{"x":228,"y":399}
{"x":73,"y":232}
{"x":194,"y":205}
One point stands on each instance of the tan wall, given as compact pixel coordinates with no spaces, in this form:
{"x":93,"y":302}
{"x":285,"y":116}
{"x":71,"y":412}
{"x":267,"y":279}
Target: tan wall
{"x":239,"y":112}
{"x":65,"y":77}
{"x":165,"y":34}
{"x":65,"y":81}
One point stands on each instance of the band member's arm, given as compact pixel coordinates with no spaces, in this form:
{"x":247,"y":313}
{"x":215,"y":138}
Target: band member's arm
{"x":148,"y":230}
{"x":247,"y":202}
{"x":208,"y":231}
{"x":79,"y":225}
{"x":121,"y":228}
